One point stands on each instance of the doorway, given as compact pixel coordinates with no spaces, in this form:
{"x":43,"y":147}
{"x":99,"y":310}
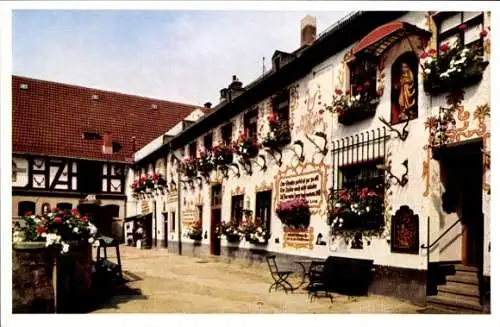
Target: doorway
{"x":463,"y":166}
{"x":215,"y":209}
{"x":165,"y":229}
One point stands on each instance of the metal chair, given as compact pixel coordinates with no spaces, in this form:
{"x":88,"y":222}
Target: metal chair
{"x":279,"y":276}
{"x":318,"y":281}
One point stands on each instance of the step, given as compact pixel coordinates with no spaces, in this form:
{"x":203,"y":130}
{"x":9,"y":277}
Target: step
{"x":459,"y":288}
{"x":432,"y":308}
{"x":459,"y":297}
{"x":466,"y":268}
{"x":462,"y":278}
{"x":455,"y":304}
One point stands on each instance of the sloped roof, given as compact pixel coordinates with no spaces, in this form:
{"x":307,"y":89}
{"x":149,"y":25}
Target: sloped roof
{"x":49,"y":118}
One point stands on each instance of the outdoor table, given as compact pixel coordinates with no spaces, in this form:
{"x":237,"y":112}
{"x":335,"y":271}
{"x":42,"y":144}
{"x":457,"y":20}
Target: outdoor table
{"x":302,"y":264}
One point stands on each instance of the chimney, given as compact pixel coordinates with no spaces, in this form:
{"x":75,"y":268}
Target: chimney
{"x":235,"y":88}
{"x":107,"y":147}
{"x":223,"y":94}
{"x":307,"y":30}
{"x":208,"y":105}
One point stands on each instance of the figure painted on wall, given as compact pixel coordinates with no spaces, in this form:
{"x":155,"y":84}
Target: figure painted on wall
{"x":404,"y":95}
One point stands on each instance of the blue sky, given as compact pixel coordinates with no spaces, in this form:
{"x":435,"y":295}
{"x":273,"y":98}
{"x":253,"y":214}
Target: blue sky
{"x":185,"y":56}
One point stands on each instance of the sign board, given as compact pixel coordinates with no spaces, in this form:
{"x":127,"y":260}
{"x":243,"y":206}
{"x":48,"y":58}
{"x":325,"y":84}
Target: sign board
{"x":145,"y":207}
{"x":298,"y":238}
{"x":172,"y":197}
{"x":189,"y":216}
{"x":307,"y":181}
{"x":405,"y":231}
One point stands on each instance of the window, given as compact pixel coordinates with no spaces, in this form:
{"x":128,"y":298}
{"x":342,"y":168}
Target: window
{"x":363,"y":175}
{"x":280,"y":126}
{"x":227,"y":133}
{"x":237,"y":208}
{"x":216,"y":195}
{"x":250,"y":123}
{"x":64,"y":206}
{"x":89,"y":177}
{"x":192,"y":149}
{"x":281,"y":106}
{"x":464,"y":27}
{"x":263,"y":208}
{"x":172,"y":222}
{"x":208,"y":141}
{"x":45,"y":209}
{"x":363,"y":75}
{"x":24,"y":207}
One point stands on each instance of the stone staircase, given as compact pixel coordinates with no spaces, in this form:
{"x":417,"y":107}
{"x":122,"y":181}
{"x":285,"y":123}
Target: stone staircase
{"x":460,"y":293}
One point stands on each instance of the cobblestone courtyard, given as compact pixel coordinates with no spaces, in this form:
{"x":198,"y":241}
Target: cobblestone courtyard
{"x":168,"y":283}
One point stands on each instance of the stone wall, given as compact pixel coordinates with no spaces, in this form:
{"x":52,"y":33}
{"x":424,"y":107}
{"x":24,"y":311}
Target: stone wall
{"x":32,"y":289}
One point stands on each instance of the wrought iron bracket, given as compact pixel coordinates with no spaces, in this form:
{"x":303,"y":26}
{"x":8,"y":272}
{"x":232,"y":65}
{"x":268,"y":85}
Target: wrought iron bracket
{"x":323,"y":150}
{"x":247,"y":166}
{"x":263,"y":167}
{"x":200,"y":181}
{"x":237,"y":168}
{"x":273,"y":152}
{"x":404,"y":178}
{"x":301,"y":144}
{"x":403,"y":135}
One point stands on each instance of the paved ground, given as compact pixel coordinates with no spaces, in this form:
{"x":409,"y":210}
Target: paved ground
{"x":168,"y":283}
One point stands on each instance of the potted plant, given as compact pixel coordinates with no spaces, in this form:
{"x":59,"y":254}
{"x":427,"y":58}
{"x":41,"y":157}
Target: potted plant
{"x":194,"y":231}
{"x":230,"y":231}
{"x":189,"y":167}
{"x":294,"y":213}
{"x":246,"y":147}
{"x":254,"y":232}
{"x":354,"y":108}
{"x":222,"y":154}
{"x":455,"y":66}
{"x":351,"y":209}
{"x":205,"y":163}
{"x":278,"y":134}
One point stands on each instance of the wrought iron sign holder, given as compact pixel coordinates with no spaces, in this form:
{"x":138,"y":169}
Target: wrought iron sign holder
{"x":301,"y":156}
{"x":403,"y":135}
{"x":404,"y":178}
{"x":323,"y":150}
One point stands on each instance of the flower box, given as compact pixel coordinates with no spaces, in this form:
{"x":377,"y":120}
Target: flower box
{"x":195,"y":231}
{"x":189,"y":168}
{"x":205,"y":163}
{"x":456,"y":66}
{"x":231,"y":231}
{"x":279,"y":133}
{"x":246,"y":147}
{"x":255,"y":233}
{"x":352,"y":109}
{"x":294,"y":213}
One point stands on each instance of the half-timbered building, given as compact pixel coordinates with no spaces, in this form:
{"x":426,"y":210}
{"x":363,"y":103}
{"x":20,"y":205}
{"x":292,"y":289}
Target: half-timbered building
{"x":381,"y":123}
{"x":72,"y":146}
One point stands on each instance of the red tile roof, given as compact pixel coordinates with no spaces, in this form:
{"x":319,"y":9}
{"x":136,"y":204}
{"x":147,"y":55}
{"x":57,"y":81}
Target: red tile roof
{"x":49,"y":118}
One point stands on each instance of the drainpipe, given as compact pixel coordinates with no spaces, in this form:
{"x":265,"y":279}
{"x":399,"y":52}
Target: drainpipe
{"x":179,"y":234}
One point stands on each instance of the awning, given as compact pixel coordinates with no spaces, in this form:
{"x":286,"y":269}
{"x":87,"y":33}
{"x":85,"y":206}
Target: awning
{"x":381,"y":38}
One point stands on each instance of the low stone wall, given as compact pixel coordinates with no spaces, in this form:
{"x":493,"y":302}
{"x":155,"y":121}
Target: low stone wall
{"x":39,"y":288}
{"x":32,"y":283}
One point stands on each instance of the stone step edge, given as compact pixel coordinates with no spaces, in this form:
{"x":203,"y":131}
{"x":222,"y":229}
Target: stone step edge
{"x":443,"y":300}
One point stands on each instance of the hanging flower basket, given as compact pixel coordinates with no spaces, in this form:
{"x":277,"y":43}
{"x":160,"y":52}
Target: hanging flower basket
{"x":456,"y":66}
{"x":279,"y":133}
{"x":352,"y":109}
{"x":205,"y":163}
{"x":222,"y":155}
{"x":246,"y":147}
{"x":294,"y":213}
{"x":189,"y":168}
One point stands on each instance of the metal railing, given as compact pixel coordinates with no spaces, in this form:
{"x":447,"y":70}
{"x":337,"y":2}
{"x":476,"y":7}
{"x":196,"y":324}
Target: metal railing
{"x":429,"y":246}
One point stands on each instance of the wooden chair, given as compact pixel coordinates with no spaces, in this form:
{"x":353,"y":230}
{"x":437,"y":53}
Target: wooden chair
{"x":279,"y":276}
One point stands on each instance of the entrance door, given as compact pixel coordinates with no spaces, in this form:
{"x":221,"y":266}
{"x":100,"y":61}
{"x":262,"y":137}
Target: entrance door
{"x":471,"y":206}
{"x":216,"y":203}
{"x":464,"y":167}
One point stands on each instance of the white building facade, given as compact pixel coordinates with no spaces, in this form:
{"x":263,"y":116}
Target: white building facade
{"x":434,"y":188}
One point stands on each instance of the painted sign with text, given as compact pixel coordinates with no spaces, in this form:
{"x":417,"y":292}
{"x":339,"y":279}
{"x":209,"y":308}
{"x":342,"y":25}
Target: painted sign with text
{"x":298,"y":237}
{"x":307,"y":181}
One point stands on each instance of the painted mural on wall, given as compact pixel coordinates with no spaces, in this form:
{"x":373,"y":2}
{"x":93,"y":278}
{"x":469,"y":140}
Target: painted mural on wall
{"x":313,"y":118}
{"x":404,"y":93}
{"x":298,"y":237}
{"x":307,"y":180}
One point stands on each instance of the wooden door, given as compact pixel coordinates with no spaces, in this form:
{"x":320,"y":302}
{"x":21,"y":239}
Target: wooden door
{"x":215,"y":218}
